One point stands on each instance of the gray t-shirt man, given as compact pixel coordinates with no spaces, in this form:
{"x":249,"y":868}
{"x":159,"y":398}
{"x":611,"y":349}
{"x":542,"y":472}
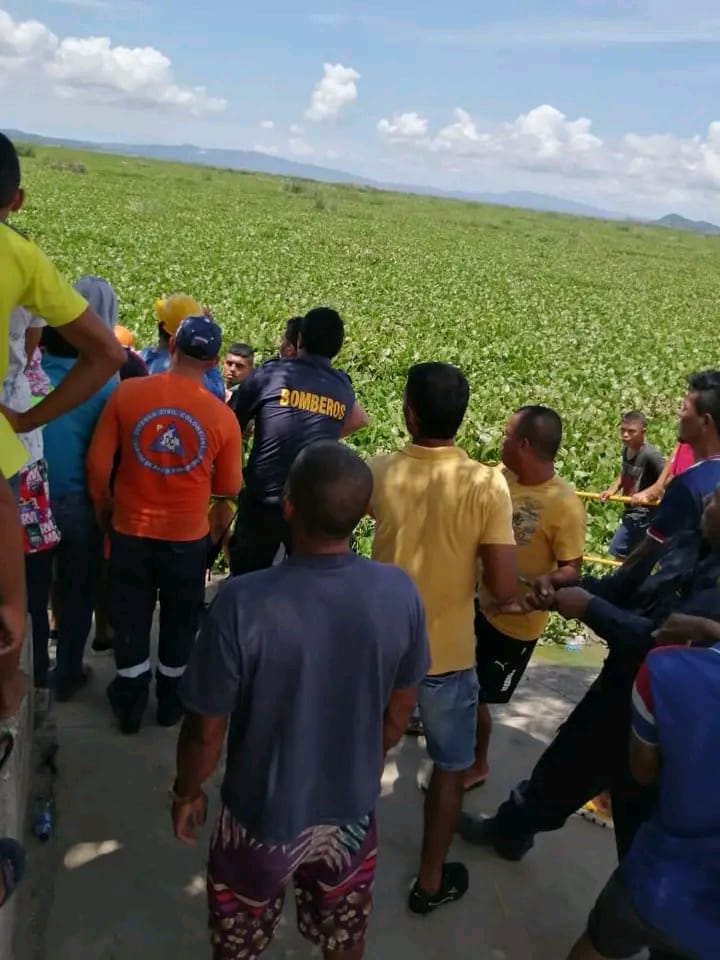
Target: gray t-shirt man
{"x":305,"y":656}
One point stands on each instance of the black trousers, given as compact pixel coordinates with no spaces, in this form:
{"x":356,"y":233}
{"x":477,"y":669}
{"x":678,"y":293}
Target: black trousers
{"x":260,"y":531}
{"x":588,"y":755}
{"x":38,"y":577}
{"x":141,"y":572}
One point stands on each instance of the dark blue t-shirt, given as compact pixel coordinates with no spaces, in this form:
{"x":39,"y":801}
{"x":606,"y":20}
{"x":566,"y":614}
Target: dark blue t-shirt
{"x":305,"y":656}
{"x":683,"y":504}
{"x":293,"y":402}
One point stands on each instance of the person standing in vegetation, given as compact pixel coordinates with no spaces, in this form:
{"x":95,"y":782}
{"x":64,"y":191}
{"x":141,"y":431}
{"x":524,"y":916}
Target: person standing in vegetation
{"x":239,"y":363}
{"x":177,"y":446}
{"x":170,"y":313}
{"x":549,"y":523}
{"x":437,"y":511}
{"x":289,"y":341}
{"x":642,"y":467}
{"x":292,"y":402}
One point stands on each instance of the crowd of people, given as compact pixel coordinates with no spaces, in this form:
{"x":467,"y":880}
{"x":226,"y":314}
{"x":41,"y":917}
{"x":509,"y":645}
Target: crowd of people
{"x":123,"y":481}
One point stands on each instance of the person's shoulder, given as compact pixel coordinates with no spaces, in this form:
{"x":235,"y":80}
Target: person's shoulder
{"x":393,"y":578}
{"x":484,"y":479}
{"x":12,"y":239}
{"x":562,"y":492}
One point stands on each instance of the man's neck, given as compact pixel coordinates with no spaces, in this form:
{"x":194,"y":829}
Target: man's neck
{"x":705,"y":448}
{"x":532,"y":475}
{"x":433,"y":442}
{"x":188,"y":370}
{"x":305,"y":546}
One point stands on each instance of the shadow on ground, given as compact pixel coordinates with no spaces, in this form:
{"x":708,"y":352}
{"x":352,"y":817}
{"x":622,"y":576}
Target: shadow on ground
{"x":124,"y":888}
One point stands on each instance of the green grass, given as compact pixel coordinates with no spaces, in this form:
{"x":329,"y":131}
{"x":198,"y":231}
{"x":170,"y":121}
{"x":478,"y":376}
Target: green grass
{"x":589,"y":317}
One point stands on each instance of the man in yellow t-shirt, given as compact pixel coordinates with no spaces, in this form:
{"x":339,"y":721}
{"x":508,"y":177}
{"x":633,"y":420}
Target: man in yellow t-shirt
{"x":549,"y":523}
{"x":437,"y":511}
{"x":28,"y":279}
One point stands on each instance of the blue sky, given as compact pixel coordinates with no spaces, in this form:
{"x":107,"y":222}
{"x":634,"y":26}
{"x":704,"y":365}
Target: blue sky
{"x":607,"y":101}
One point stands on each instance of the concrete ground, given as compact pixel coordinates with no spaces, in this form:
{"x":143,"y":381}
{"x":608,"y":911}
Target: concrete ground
{"x":113,"y":884}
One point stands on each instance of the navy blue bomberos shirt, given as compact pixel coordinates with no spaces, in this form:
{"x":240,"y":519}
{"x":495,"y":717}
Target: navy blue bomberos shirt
{"x":293,"y":403}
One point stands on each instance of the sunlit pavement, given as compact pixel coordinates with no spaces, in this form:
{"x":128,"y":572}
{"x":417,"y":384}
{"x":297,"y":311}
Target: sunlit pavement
{"x":124,"y":888}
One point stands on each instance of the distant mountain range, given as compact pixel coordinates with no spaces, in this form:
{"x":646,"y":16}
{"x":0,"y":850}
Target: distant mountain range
{"x":674,"y":221}
{"x":255,"y":161}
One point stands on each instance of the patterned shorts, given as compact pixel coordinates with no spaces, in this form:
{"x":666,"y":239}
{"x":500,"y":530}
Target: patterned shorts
{"x":332,"y":869}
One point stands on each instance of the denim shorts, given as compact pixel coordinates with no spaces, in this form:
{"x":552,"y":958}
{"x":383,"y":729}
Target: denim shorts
{"x":448,"y":707}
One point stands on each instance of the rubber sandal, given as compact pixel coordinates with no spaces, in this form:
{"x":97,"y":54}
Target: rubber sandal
{"x":12,"y":866}
{"x":7,"y":744}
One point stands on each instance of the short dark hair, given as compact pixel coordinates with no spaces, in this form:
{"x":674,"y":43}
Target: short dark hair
{"x":439,"y":395}
{"x":241,"y":350}
{"x":56,"y":345}
{"x":323,"y":332}
{"x":706,"y":386}
{"x":9,"y":171}
{"x":542,"y":428}
{"x":635,"y":416}
{"x":292,"y":330}
{"x":330,"y":488}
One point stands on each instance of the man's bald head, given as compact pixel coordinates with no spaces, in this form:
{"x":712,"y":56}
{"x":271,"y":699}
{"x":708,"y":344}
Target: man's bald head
{"x":328,"y":490}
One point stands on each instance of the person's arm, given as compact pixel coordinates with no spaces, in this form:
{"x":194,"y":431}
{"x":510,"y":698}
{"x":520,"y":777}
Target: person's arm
{"x":227,"y":476}
{"x":567,"y":538}
{"x":613,"y":489}
{"x":412,"y":669}
{"x":100,"y":459}
{"x":100,"y":356}
{"x":497,"y":549}
{"x":356,"y":420}
{"x":209,"y":693}
{"x":684,"y":628}
{"x":644,"y":749}
{"x":245,"y":400}
{"x":13,"y":600}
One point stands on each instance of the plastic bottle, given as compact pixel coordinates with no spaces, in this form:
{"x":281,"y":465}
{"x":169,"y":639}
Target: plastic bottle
{"x":43,"y":818}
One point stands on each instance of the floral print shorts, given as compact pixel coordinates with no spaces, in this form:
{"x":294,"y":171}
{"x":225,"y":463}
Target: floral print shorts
{"x":332,"y":870}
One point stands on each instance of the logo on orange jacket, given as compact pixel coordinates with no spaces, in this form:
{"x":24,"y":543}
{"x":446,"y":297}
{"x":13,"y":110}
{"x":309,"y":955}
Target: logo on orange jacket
{"x":169,"y":441}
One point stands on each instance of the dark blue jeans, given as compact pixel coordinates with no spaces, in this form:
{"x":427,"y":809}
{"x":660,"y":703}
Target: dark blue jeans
{"x":77,"y":561}
{"x":141,"y":572}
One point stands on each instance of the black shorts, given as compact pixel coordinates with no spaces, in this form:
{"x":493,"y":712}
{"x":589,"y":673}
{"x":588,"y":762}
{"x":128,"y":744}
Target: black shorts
{"x":501,"y":661}
{"x":260,"y":531}
{"x":617,"y":931}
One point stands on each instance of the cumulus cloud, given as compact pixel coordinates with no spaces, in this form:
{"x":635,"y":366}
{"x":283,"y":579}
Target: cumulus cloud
{"x":546,"y":141}
{"x":404,"y":126}
{"x":91,"y":68}
{"x":335,"y":91}
{"x":268,"y":124}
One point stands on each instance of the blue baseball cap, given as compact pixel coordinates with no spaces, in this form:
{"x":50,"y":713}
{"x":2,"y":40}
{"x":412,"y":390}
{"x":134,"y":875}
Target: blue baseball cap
{"x":200,"y":338}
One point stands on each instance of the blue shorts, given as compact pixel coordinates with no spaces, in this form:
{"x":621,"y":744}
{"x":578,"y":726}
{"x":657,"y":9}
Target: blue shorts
{"x":448,"y":707}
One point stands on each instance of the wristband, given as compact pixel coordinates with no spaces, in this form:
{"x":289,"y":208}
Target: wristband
{"x":180,"y":800}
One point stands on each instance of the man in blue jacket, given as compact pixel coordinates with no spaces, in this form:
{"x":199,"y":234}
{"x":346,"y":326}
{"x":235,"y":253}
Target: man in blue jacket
{"x":589,"y":753}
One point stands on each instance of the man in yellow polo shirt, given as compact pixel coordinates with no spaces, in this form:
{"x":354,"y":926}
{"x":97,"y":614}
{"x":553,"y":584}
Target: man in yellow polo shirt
{"x":28,"y":279}
{"x":437,"y":512}
{"x":549,"y":522}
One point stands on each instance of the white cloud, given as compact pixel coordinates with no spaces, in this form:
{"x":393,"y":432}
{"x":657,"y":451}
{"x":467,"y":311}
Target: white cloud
{"x":545,"y":141}
{"x":296,"y":129}
{"x":404,"y":126}
{"x":92,"y":69}
{"x":299,"y":148}
{"x":335,"y":91}
{"x":262,"y":148}
{"x":268,"y":124}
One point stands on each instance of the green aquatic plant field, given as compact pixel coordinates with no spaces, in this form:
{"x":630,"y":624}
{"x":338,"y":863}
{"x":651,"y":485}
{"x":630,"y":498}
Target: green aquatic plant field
{"x":589,"y":317}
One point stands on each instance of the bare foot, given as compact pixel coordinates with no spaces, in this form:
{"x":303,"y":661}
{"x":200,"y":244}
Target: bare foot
{"x":475,"y":777}
{"x":12,"y":693}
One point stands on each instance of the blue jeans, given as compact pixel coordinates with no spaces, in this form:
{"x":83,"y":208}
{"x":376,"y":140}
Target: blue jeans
{"x":448,"y":707}
{"x":628,"y":535}
{"x":77,"y":560}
